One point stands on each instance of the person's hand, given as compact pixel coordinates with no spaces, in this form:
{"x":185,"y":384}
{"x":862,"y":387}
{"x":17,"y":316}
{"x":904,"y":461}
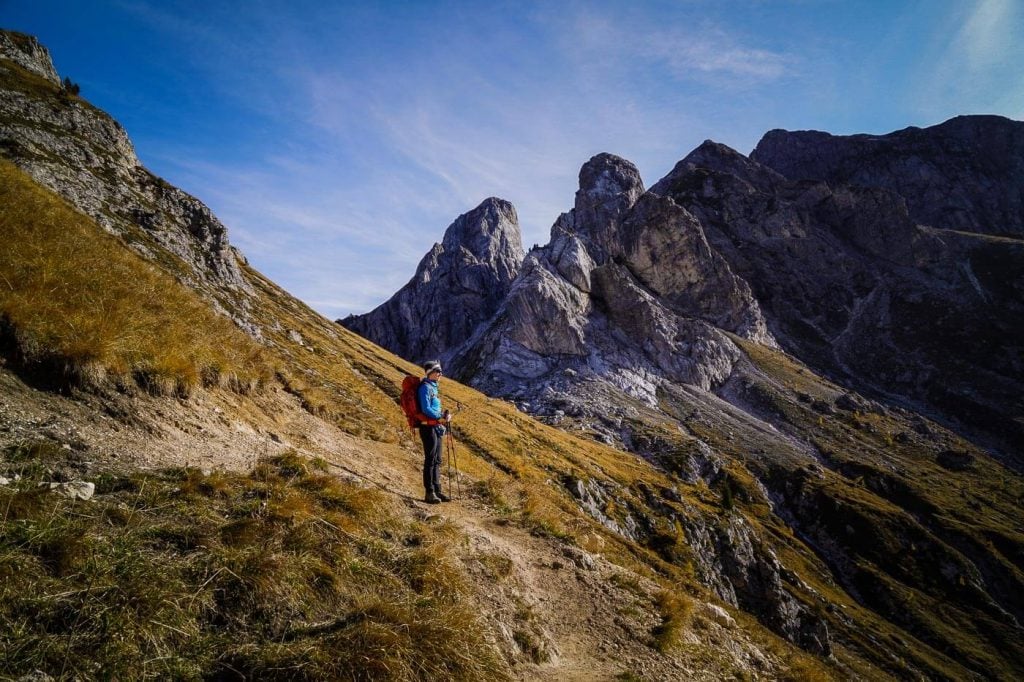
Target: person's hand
{"x":446,"y":415}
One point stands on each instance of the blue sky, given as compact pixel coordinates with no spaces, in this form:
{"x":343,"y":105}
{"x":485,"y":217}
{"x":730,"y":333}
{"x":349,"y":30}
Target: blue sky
{"x":337,"y":140}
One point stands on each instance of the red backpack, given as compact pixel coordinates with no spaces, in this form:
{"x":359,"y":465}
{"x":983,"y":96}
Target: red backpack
{"x":411,"y":402}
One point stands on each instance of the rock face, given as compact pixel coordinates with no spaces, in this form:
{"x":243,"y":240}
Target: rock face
{"x":855,"y":287}
{"x":457,"y":285}
{"x":29,"y":54}
{"x":627,"y":291}
{"x":85,"y":156}
{"x":965,"y":174}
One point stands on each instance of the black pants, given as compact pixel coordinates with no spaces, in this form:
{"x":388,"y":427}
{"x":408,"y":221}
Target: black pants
{"x":432,"y":444}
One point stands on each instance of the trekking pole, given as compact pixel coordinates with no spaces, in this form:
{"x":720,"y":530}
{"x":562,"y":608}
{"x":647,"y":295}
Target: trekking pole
{"x":449,"y":453}
{"x":458,"y":482}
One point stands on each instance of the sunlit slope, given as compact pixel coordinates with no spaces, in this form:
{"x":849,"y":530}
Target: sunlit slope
{"x":528,"y":471}
{"x":76,"y":304}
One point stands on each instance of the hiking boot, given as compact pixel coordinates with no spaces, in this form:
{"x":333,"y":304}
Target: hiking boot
{"x":431,"y":498}
{"x":441,"y":496}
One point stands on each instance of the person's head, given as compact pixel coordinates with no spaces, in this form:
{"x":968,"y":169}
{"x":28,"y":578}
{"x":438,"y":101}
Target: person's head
{"x":432,"y":369}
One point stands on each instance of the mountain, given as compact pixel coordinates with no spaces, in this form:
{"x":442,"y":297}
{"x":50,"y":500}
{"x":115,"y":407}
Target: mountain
{"x":966,"y":174}
{"x":457,"y":285}
{"x":754,"y":321}
{"x":856,"y":285}
{"x":203,"y":478}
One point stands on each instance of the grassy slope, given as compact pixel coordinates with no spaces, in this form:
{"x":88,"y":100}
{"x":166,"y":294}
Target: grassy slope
{"x":283,"y":573}
{"x":158,"y":567}
{"x":72,"y":297}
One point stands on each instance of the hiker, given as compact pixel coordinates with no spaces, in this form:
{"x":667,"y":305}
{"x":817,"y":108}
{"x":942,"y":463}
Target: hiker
{"x":432,"y":432}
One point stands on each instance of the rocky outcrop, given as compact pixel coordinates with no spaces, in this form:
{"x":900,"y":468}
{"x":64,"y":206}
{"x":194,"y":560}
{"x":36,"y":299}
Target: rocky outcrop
{"x":749,"y":575}
{"x":965,"y":174}
{"x":85,"y":156}
{"x":628,"y":291}
{"x":609,"y":187}
{"x":458,"y":284}
{"x":853,"y":286}
{"x":29,"y":54}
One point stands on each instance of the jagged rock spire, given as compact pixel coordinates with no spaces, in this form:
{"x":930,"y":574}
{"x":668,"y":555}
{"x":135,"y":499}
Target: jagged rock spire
{"x":609,"y":186}
{"x":459,"y":283}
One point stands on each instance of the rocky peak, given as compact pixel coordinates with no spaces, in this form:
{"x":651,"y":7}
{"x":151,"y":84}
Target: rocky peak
{"x":28,"y":53}
{"x":966,"y":174}
{"x":489,"y":234}
{"x":458,"y":284}
{"x":719,"y":158}
{"x":609,"y":186}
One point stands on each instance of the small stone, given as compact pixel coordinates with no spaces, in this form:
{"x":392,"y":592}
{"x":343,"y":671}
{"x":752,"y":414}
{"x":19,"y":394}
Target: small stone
{"x":76,"y":490}
{"x":580,"y":558}
{"x":720,"y":616}
{"x":850,"y":402}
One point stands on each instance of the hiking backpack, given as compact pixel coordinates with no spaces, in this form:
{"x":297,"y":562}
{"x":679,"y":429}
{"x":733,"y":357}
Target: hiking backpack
{"x":411,"y":402}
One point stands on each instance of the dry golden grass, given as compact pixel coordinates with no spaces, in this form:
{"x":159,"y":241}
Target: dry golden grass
{"x":281,"y":574}
{"x":76,"y":302}
{"x":675,"y":610}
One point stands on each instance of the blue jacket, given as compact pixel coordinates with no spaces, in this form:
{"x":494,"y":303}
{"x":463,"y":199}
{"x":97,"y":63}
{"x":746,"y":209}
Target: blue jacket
{"x":429,"y":399}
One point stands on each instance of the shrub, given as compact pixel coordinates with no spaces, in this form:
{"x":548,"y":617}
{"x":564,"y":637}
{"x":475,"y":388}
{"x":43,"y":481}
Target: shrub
{"x":675,"y":610}
{"x":71,"y":87}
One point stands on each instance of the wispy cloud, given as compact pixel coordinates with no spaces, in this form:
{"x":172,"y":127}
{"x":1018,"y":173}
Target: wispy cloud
{"x":973,"y":65}
{"x":989,"y":33}
{"x":691,"y":53}
{"x":684,"y":55}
